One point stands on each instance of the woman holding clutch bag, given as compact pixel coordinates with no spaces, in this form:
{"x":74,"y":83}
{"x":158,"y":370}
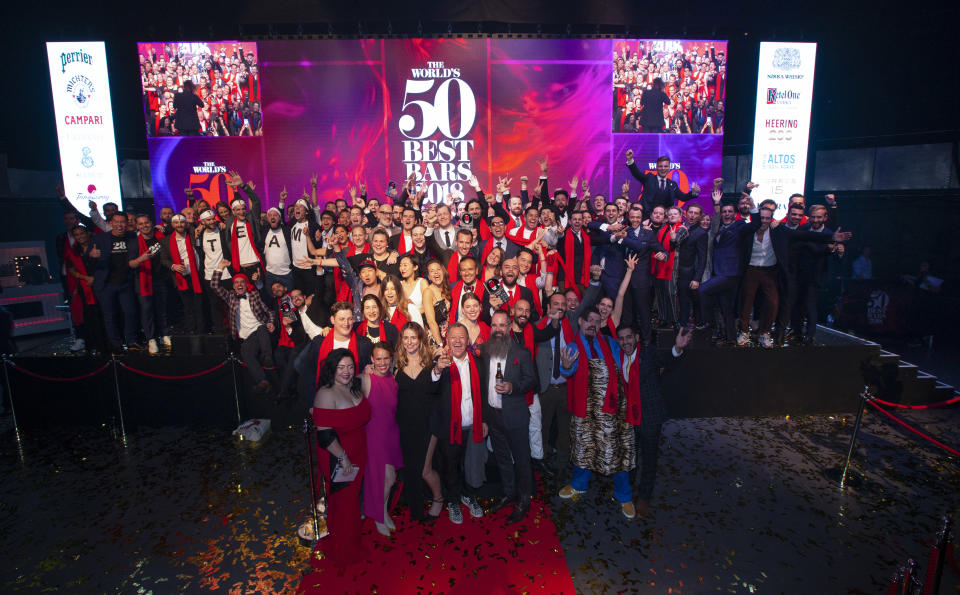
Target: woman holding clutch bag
{"x":340,"y":414}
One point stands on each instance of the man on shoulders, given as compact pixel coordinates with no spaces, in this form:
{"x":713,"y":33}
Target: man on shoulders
{"x":658,"y":188}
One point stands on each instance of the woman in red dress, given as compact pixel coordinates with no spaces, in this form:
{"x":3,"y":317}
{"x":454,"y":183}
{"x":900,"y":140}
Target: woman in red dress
{"x":340,"y":413}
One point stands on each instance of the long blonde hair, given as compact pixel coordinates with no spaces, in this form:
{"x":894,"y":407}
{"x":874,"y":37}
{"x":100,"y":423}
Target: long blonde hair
{"x":402,"y":302}
{"x":424,"y":351}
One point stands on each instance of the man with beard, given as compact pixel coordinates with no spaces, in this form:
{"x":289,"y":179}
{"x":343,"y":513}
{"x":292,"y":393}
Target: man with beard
{"x":507,"y":413}
{"x":646,"y":410}
{"x":301,"y":235}
{"x":812,"y":271}
{"x":600,"y":437}
{"x":245,"y":231}
{"x":277,"y":250}
{"x":214,"y":248}
{"x":574,"y":254}
{"x":292,"y":337}
{"x":179,"y":256}
{"x":523,"y":332}
{"x":509,"y":271}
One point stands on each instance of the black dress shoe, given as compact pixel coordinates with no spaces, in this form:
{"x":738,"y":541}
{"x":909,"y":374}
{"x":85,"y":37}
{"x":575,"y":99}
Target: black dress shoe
{"x":541,"y":467}
{"x":519,"y":512}
{"x":502,"y":503}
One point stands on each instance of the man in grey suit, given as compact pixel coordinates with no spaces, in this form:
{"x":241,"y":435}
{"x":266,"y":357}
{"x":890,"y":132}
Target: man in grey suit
{"x":506,"y":412}
{"x":553,"y":388}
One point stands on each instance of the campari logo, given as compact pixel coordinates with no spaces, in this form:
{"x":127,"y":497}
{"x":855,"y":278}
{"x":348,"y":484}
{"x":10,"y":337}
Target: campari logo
{"x":438,"y":113}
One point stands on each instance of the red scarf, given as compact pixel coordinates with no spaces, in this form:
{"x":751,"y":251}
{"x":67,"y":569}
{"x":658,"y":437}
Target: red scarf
{"x":77,"y":286}
{"x":235,"y":245}
{"x":565,"y":327}
{"x":285,"y":340}
{"x":398,"y":319}
{"x":453,"y":267}
{"x":513,"y":298}
{"x":663,"y":269}
{"x":484,"y":230}
{"x":570,"y":277}
{"x":327,"y":346}
{"x":145,"y":270}
{"x":362,"y":330}
{"x":403,"y":248}
{"x":342,"y":289}
{"x":517,"y":235}
{"x":578,"y":389}
{"x":455,"y":297}
{"x":530,"y":282}
{"x":612,"y":327}
{"x":456,"y":395}
{"x":633,"y":388}
{"x":175,"y":257}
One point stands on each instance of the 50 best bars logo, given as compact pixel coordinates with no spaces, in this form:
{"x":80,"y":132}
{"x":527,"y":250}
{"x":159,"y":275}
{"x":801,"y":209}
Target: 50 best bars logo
{"x":438,"y":113}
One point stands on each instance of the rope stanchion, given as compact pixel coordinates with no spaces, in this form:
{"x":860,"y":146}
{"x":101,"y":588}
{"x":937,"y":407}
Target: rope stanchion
{"x":55,"y":379}
{"x":931,"y":585}
{"x":116,"y":385}
{"x":926,"y":437}
{"x":841,"y":474}
{"x":236,"y":393}
{"x":13,"y":410}
{"x":182,"y":377}
{"x":946,"y":403}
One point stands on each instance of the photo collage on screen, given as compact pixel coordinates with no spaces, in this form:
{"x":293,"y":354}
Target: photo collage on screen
{"x":225,"y":81}
{"x":669,"y":86}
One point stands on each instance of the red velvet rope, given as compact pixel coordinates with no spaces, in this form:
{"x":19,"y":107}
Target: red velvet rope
{"x":52,"y":379}
{"x":914,"y":430}
{"x":264,"y":367}
{"x":927,"y":406}
{"x":184,"y":377}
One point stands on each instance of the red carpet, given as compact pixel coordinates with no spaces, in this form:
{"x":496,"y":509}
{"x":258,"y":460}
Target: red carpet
{"x":480,"y":556}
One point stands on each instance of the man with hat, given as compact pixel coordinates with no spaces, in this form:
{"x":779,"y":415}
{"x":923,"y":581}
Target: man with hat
{"x":214,"y":247}
{"x":179,"y":256}
{"x":245,"y":231}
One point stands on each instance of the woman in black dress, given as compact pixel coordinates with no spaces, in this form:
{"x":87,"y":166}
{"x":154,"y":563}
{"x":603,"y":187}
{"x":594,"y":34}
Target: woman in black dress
{"x":416,"y":415}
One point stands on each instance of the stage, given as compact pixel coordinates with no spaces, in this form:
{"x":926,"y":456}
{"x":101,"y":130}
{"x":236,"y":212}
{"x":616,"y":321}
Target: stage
{"x":741,"y":505}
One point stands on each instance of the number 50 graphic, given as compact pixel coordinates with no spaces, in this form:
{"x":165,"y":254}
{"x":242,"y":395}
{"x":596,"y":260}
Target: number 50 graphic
{"x":435,"y":115}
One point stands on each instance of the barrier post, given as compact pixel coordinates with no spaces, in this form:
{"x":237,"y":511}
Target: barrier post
{"x":236,"y":395}
{"x":842,"y":474}
{"x":307,"y":429}
{"x":937,"y":557}
{"x":13,"y":410}
{"x":116,"y":385}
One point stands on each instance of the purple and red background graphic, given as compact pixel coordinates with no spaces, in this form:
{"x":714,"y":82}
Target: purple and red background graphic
{"x":372,"y":110}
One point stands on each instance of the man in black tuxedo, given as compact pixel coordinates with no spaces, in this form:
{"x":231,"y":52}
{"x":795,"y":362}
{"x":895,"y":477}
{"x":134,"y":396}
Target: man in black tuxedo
{"x":509,"y":271}
{"x":658,"y":188}
{"x":498,"y":239}
{"x":506,"y":412}
{"x":691,"y":261}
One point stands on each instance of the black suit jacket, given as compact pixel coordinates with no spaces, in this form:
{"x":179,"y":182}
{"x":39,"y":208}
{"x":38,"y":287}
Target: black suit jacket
{"x":692,"y":254}
{"x":652,"y":195}
{"x":306,"y":363}
{"x":812,"y":257}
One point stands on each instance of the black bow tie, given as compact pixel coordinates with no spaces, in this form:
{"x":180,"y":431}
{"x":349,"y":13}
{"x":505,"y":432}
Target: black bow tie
{"x":243,"y":296}
{"x":468,"y":288}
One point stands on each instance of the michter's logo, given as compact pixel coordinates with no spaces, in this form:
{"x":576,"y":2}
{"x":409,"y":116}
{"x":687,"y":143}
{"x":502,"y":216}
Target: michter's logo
{"x":71,"y":57}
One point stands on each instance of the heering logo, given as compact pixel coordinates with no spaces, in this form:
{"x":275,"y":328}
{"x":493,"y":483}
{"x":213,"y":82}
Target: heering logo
{"x":781,"y":96}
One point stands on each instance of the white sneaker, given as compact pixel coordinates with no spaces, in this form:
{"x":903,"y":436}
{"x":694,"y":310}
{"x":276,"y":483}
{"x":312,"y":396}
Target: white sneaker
{"x":471,"y":503}
{"x":743,"y":338}
{"x":78,"y":345}
{"x":166,"y":341}
{"x":766,"y":341}
{"x":152,"y":347}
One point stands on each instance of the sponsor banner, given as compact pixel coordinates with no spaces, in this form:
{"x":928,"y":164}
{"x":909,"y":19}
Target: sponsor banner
{"x":84,"y":120}
{"x":782,"y":125}
{"x":693,"y":158}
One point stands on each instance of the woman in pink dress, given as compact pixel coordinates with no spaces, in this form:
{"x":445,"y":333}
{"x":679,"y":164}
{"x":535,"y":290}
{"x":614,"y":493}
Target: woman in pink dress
{"x":383,"y":437}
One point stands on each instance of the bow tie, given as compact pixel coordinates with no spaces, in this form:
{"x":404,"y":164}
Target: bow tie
{"x":468,"y":288}
{"x":243,"y":296}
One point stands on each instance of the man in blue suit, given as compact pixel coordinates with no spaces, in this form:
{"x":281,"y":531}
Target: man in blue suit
{"x":726,"y":236}
{"x":113,"y":280}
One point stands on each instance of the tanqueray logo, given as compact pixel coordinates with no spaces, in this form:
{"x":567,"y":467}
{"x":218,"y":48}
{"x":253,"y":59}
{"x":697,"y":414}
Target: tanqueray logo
{"x":786,"y":59}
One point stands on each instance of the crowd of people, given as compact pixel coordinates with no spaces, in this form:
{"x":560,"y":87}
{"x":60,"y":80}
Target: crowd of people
{"x":201,"y":94}
{"x":676,"y":90}
{"x":422,"y":332}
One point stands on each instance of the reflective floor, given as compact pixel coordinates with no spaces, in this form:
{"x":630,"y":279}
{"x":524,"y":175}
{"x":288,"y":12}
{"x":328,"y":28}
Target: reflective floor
{"x":741,"y":505}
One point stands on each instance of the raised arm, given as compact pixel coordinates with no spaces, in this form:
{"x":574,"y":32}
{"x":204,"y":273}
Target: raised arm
{"x":617,"y":312}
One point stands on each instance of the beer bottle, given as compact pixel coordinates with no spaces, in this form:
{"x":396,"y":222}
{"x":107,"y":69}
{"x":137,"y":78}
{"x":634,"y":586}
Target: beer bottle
{"x":499,"y":373}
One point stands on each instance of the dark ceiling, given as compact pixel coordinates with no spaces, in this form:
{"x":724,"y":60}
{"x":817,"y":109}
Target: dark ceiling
{"x":884,"y":70}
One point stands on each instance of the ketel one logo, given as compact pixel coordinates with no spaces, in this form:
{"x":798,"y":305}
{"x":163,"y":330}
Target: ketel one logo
{"x":81,"y":90}
{"x":786,"y":59}
{"x":781,"y":96}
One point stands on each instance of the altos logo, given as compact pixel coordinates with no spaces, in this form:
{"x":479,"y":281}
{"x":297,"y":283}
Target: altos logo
{"x":782,"y":97}
{"x":779,"y":161}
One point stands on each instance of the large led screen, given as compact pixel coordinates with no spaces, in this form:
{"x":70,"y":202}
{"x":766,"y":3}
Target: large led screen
{"x":374,"y":111}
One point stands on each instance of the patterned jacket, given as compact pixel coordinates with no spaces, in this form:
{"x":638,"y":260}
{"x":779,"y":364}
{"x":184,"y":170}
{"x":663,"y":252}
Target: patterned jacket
{"x":260,"y":310}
